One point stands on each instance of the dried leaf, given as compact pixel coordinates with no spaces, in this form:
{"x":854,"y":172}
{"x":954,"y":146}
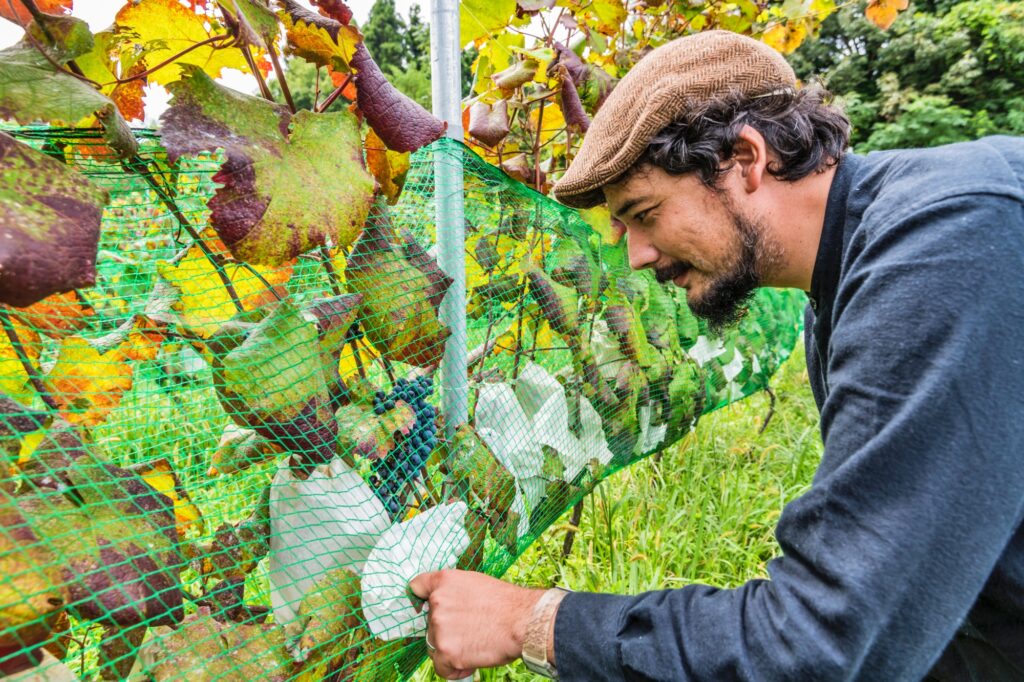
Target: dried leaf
{"x":401,"y":123}
{"x":488,"y":123}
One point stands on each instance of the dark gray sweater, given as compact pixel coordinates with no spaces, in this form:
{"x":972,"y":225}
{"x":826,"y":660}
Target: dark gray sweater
{"x":909,"y":547}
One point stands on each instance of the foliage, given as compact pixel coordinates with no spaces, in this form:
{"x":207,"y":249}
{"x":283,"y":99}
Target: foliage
{"x":255,"y":305}
{"x":943,"y":73}
{"x":540,"y":61}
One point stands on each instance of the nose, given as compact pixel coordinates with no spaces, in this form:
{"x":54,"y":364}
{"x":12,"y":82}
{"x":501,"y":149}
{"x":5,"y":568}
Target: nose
{"x":642,"y":253}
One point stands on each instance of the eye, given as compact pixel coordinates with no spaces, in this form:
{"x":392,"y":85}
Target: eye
{"x":642,"y":215}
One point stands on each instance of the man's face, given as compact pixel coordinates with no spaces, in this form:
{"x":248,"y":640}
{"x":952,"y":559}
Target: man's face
{"x":694,"y":237}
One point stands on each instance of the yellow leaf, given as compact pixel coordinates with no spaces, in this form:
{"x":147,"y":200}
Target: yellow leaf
{"x":480,"y":18}
{"x":163,"y":28}
{"x":29,"y":443}
{"x":313,"y":41}
{"x":552,"y":124}
{"x":160,"y":476}
{"x":349,"y":363}
{"x":882,"y":13}
{"x":610,"y":15}
{"x":86,"y":382}
{"x":389,"y":168}
{"x":785,"y":37}
{"x":600,"y":220}
{"x":13,"y":379}
{"x":204,"y":303}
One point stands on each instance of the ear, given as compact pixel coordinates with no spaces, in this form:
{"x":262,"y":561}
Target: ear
{"x":751,"y":157}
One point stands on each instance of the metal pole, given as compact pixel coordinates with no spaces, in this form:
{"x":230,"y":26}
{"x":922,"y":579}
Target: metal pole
{"x":446,"y":87}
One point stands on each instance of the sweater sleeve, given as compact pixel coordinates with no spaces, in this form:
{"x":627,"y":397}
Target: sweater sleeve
{"x":920,"y":488}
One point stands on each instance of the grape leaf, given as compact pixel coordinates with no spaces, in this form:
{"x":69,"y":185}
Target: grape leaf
{"x":335,"y":9}
{"x":211,"y":650}
{"x":882,"y":13}
{"x":163,"y":28}
{"x":49,"y":225}
{"x":278,"y":170}
{"x":265,"y":382}
{"x":389,"y":168}
{"x":318,"y":39}
{"x":403,"y":288}
{"x":19,"y":14}
{"x":256,"y":23}
{"x":480,"y":18}
{"x":328,"y":622}
{"x":30,"y":596}
{"x":400,"y":121}
{"x":57,"y":316}
{"x":788,"y":35}
{"x":118,"y":650}
{"x":114,"y":535}
{"x":238,"y":449}
{"x":488,"y":123}
{"x":198,"y":299}
{"x":13,"y":379}
{"x":159,"y":474}
{"x":88,"y":381}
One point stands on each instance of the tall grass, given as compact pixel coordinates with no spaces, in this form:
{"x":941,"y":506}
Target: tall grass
{"x":705,"y":512}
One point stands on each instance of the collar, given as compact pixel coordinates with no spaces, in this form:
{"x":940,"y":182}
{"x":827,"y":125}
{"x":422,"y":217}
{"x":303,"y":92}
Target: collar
{"x":827,"y":264}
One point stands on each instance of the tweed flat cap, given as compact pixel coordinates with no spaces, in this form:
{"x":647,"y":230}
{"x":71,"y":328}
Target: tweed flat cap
{"x":658,"y":90}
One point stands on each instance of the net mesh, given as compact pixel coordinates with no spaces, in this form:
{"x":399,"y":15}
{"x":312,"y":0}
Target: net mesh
{"x":216,"y":470}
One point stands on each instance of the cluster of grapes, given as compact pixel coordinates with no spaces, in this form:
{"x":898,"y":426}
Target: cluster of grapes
{"x":410,"y":453}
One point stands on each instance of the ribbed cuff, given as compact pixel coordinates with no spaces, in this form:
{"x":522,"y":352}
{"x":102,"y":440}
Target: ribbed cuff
{"x":586,"y":636}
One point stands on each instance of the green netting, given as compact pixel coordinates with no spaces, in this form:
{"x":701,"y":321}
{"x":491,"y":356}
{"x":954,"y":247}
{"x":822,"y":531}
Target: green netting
{"x":222,"y":471}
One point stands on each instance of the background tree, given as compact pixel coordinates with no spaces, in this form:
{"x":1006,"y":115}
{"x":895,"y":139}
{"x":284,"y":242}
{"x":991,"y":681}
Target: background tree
{"x":387,"y":36}
{"x":945,"y":72}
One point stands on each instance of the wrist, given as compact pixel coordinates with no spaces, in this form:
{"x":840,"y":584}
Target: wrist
{"x":538,"y":647}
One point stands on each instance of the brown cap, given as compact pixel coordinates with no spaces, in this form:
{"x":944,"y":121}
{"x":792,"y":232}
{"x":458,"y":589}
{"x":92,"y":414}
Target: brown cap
{"x":657,"y":91}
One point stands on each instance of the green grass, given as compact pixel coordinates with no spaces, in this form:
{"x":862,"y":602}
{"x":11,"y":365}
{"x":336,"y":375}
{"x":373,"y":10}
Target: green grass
{"x":705,"y":512}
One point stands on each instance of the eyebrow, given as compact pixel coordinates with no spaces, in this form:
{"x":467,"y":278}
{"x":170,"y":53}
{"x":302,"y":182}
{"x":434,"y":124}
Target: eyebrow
{"x":626,"y":207}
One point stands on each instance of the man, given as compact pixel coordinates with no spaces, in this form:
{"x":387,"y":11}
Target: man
{"x":905,"y":559}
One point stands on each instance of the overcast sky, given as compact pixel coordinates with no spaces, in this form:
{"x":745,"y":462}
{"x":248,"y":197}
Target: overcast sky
{"x":100,"y":14}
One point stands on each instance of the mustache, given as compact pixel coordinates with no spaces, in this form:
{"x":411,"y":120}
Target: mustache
{"x":670,"y":272}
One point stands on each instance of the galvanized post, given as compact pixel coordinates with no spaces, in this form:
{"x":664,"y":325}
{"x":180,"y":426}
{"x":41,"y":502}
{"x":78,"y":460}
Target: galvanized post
{"x":446,"y":86}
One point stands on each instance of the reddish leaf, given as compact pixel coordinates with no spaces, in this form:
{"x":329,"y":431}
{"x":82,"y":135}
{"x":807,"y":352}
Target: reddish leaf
{"x":278,"y":170}
{"x":488,"y":123}
{"x":16,"y":11}
{"x":49,"y":225}
{"x":401,"y":123}
{"x":335,"y":9}
{"x":572,"y":109}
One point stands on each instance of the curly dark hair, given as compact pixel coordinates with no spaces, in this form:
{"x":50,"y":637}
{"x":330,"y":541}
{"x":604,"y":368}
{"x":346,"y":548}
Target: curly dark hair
{"x":805,"y":130}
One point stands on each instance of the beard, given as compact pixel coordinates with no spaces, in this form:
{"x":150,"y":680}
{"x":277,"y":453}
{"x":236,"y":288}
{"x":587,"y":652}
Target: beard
{"x":724,"y":302}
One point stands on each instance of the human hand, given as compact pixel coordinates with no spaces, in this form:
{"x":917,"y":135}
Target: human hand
{"x":473,"y":620}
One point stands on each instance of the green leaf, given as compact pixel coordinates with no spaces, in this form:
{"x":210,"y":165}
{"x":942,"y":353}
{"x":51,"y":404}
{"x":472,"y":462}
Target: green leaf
{"x":279,"y":172}
{"x":265,"y":382}
{"x":49,"y":225}
{"x":403,"y":287}
{"x":479,"y":18}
